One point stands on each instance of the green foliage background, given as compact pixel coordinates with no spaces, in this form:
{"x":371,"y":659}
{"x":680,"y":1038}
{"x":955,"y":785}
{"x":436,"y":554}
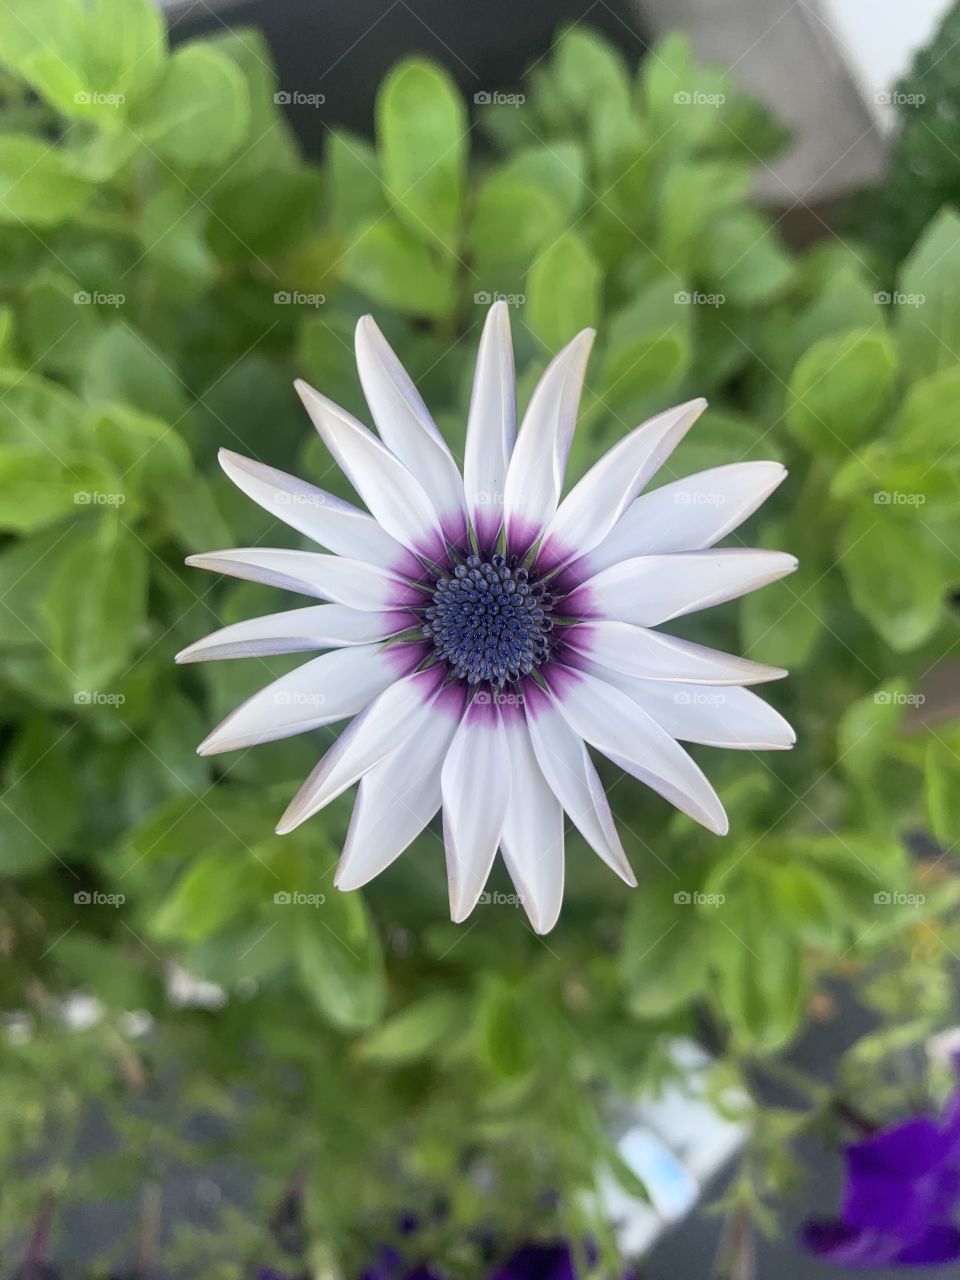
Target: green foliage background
{"x":168,"y":264}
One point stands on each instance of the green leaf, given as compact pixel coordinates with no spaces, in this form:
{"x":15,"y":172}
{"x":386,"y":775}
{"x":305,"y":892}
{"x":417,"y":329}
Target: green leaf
{"x":781,"y":624}
{"x":422,"y":143}
{"x":926,"y":422}
{"x":341,"y":961}
{"x":558,"y":170}
{"x":36,"y":184}
{"x":840,"y":388}
{"x":58,"y":323}
{"x":122,"y":366}
{"x":94,"y":604}
{"x":503,"y":1035}
{"x":760,"y":980}
{"x":868,"y":727}
{"x":415,"y":1031}
{"x":512,"y":218}
{"x":43,"y":42}
{"x":692,"y":197}
{"x":665,"y":951}
{"x":125,"y":48}
{"x":893,"y":578}
{"x":37,"y":487}
{"x":742,"y":259}
{"x":928,"y":316}
{"x":353,"y":178}
{"x":214,"y":890}
{"x":941,"y":777}
{"x":394,"y":268}
{"x":199,"y":112}
{"x":563,"y":291}
{"x":40,"y":807}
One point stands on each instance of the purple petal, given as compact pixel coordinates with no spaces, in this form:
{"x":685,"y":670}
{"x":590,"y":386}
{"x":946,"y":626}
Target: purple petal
{"x":848,"y":1246}
{"x":910,"y":1149}
{"x":538,"y":1262}
{"x":935,"y":1246}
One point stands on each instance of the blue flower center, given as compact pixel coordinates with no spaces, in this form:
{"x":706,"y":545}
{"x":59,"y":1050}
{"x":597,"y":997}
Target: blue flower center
{"x":490,"y":621}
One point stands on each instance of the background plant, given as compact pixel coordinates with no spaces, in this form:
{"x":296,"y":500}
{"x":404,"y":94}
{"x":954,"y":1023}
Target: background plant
{"x":169,"y":263}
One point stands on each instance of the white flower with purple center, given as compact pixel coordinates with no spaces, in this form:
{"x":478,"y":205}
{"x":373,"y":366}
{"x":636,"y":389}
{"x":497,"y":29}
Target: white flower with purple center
{"x":483,"y":632}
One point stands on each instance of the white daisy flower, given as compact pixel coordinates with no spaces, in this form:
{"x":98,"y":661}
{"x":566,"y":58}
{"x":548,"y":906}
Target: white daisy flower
{"x":483,"y":632}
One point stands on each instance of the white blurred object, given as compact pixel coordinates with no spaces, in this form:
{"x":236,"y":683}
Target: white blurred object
{"x":880,"y":40}
{"x":674,"y":1144}
{"x":824,"y":67}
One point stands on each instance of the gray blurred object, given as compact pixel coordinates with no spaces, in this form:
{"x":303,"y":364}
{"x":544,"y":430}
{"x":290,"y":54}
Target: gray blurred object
{"x":826,"y":68}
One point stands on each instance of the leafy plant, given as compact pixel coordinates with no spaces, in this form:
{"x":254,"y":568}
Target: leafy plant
{"x":169,"y":264}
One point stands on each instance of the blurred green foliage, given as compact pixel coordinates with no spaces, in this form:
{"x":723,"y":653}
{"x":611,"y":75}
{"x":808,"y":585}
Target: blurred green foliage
{"x":168,"y":263}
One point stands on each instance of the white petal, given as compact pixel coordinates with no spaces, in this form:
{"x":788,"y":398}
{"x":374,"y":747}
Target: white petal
{"x":567,"y":766}
{"x":686,"y":515}
{"x":653,"y":656}
{"x":730,"y":716}
{"x":491,"y":425}
{"x":395,"y":498}
{"x":326,"y":519}
{"x":539,"y":459}
{"x":623,"y":731}
{"x":319,"y":626}
{"x":349,"y":582}
{"x":653,"y":589}
{"x":592,"y":508}
{"x":328,"y":688}
{"x":406,"y":427}
{"x":532,"y":837}
{"x":475,"y":784}
{"x":391,"y":720}
{"x":398,"y":797}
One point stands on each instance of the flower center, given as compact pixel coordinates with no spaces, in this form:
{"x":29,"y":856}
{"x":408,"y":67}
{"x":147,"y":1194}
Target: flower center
{"x":489,"y":621}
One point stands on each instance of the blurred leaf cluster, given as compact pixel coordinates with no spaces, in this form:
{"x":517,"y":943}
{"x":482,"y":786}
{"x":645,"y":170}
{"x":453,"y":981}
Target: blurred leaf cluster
{"x":168,"y":263}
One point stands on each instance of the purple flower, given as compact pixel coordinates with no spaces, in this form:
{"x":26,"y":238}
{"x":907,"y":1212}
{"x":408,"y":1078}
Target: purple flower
{"x":901,"y":1195}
